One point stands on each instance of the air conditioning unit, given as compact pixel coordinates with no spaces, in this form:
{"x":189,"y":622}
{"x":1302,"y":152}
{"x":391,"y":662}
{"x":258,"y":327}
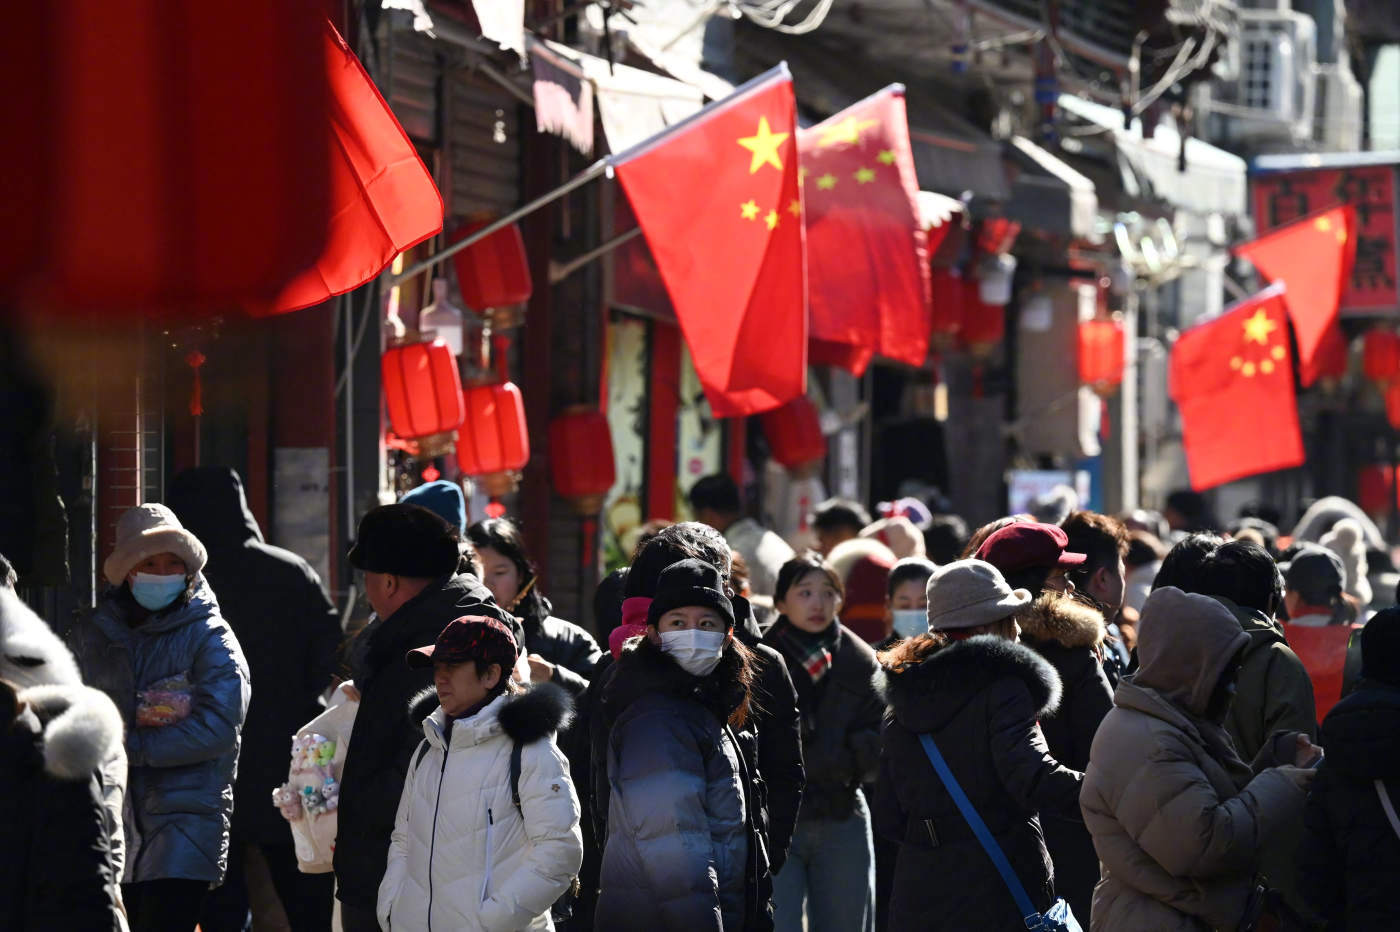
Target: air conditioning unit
{"x":1271,"y":94}
{"x":1339,"y":103}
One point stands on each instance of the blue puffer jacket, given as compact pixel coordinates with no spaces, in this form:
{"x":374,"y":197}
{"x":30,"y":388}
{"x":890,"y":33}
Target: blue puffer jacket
{"x":180,"y":786}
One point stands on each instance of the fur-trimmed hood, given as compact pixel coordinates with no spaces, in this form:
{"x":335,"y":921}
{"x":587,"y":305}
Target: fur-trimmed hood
{"x":1062,"y":619}
{"x":538,"y":712}
{"x":81,"y":728}
{"x":30,"y":653}
{"x":928,"y":680}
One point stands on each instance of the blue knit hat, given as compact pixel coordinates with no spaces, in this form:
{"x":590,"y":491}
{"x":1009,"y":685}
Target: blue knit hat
{"x":443,"y":499}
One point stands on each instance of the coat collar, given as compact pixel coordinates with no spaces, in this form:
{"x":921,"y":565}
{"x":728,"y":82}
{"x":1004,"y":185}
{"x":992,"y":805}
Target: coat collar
{"x":1064,"y":620}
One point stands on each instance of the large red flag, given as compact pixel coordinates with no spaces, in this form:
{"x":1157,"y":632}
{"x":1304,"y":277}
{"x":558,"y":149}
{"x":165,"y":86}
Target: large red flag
{"x":718,"y":200}
{"x":1232,"y":378}
{"x":383,"y":199}
{"x":1312,"y":257}
{"x":867,"y":252}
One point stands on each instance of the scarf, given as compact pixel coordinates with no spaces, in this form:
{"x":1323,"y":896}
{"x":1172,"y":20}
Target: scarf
{"x":812,"y":652}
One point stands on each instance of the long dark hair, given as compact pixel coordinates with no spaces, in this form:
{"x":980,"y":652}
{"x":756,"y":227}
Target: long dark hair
{"x":503,"y":536}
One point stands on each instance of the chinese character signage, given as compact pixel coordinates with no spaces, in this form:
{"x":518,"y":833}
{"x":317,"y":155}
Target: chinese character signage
{"x":1283,"y":197}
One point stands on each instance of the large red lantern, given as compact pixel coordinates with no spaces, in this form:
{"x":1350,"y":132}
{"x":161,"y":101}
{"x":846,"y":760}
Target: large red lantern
{"x":794,"y":433}
{"x":492,"y":272}
{"x":983,"y":324}
{"x":1380,"y":355}
{"x":1101,"y":348}
{"x":494,"y":444}
{"x":422,"y":389}
{"x":581,"y":463}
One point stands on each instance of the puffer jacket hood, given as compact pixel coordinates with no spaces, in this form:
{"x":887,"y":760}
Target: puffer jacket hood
{"x":928,"y":682}
{"x":1362,"y":733}
{"x":1185,"y":642}
{"x":82,"y":728}
{"x":212,"y":505}
{"x":1062,"y":619}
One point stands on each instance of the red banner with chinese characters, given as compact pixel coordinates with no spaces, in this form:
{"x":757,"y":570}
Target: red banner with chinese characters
{"x":1283,"y":197}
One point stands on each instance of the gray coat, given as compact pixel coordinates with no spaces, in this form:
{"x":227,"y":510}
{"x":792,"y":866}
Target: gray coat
{"x":180,"y":784}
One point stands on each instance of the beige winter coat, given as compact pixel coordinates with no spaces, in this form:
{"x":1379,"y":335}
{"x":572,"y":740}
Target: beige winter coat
{"x":1177,"y":819}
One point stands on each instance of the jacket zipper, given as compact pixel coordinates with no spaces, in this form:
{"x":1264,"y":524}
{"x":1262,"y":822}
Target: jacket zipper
{"x":490,"y":830}
{"x":432,"y":842}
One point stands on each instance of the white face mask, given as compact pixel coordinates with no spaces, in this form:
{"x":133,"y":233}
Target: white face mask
{"x":697,"y":652}
{"x":909,"y":622}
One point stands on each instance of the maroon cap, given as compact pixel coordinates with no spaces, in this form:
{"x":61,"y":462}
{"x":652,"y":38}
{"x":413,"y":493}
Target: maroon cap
{"x":1024,"y":546}
{"x":473,"y":637}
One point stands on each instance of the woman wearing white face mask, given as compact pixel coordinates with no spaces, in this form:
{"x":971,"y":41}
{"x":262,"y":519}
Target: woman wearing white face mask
{"x":906,"y":601}
{"x":157,"y":645}
{"x":678,"y":829}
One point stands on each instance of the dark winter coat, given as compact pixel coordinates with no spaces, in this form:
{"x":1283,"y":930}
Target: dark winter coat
{"x":841,"y":735}
{"x":569,"y":647}
{"x":384,"y":736}
{"x":1350,"y":854}
{"x":679,"y":823}
{"x":979,"y":699}
{"x":1070,"y":636}
{"x":1274,"y":692}
{"x":179,"y":794}
{"x":56,"y":868}
{"x":287,"y":627}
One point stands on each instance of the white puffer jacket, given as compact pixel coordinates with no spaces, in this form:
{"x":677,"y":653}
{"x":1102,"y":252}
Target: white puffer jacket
{"x":461,"y":857}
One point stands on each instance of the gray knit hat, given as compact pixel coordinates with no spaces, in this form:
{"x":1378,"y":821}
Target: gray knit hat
{"x":969,"y":593}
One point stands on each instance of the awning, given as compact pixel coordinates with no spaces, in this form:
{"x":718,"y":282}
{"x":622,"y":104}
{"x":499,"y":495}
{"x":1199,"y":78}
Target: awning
{"x":1048,"y":195}
{"x":953,"y":157}
{"x":1214,"y":180}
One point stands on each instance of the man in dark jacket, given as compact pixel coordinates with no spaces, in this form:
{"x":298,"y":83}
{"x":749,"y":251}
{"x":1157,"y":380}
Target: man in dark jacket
{"x":409,"y":557}
{"x":289,"y":631}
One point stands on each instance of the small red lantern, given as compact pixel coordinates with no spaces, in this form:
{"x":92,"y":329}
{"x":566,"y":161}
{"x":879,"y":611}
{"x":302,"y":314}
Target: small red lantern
{"x":983,"y":324}
{"x":1380,"y":355}
{"x":947,"y":306}
{"x":422,"y":389}
{"x":996,"y":235}
{"x":794,"y":433}
{"x":581,"y":463}
{"x":1101,"y":346}
{"x":492,"y":272}
{"x":494,"y":444}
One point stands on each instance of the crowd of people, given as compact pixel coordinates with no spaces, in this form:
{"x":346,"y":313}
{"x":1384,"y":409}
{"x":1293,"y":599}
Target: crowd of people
{"x":914,"y":725}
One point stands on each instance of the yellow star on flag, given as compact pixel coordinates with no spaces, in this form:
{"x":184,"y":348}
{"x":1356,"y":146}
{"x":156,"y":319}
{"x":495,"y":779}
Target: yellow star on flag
{"x":749,"y":210}
{"x":848,"y":130}
{"x":826,"y":182}
{"x":795,"y":207}
{"x":771,"y":219}
{"x":1258,"y":327}
{"x":764,"y":146}
{"x":885,"y":158}
{"x":1278,"y":352}
{"x":865,"y":175}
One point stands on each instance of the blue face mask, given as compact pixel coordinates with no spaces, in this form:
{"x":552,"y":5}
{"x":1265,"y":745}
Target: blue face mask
{"x":154,"y":593}
{"x":909,"y":622}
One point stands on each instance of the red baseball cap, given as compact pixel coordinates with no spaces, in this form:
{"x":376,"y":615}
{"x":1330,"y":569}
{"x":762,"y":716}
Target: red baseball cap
{"x":471,"y":637}
{"x":1024,"y":546}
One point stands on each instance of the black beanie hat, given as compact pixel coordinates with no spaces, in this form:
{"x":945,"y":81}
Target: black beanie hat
{"x":1380,"y":647}
{"x":690,"y":583}
{"x":405,"y":540}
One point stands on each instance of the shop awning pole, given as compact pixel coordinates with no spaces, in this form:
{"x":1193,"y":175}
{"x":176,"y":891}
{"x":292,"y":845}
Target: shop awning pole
{"x":593,"y":171}
{"x":558,"y":271}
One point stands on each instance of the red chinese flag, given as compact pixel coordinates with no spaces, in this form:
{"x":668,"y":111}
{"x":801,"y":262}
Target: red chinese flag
{"x":1312,"y":257}
{"x":718,"y":200}
{"x":1232,"y":378}
{"x":867,"y":252}
{"x":383,"y":199}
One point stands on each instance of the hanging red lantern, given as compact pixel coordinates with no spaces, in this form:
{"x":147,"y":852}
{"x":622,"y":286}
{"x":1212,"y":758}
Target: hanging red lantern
{"x":1380,"y":355}
{"x":581,"y":464}
{"x":494,"y":444}
{"x":492,"y":272}
{"x":422,"y":389}
{"x":794,"y":433}
{"x":1392,"y":404}
{"x":983,"y":324}
{"x":1101,"y":349}
{"x":996,"y":235}
{"x":1331,"y":360}
{"x":947,"y":303}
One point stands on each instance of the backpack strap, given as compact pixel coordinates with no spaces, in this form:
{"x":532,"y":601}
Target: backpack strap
{"x":516,"y":749}
{"x":420,"y":754}
{"x":1388,"y":807}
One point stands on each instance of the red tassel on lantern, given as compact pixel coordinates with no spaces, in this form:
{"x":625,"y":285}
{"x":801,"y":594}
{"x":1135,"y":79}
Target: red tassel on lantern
{"x":794,"y":433}
{"x":581,"y":463}
{"x":422,"y":389}
{"x":1380,"y":355}
{"x":1101,"y":346}
{"x":195,"y":360}
{"x":947,"y":303}
{"x":1392,"y":404}
{"x":494,"y":444}
{"x":492,"y":272}
{"x":983,"y":324}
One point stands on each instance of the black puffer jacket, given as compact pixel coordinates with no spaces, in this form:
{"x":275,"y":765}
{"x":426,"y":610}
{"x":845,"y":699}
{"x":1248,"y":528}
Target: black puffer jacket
{"x":384,"y":736}
{"x":287,"y":627}
{"x":1350,"y":854}
{"x":569,"y":647}
{"x":979,"y":699}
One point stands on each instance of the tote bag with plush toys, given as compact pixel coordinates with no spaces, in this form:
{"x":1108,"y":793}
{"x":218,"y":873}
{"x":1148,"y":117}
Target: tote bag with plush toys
{"x":311,"y":796}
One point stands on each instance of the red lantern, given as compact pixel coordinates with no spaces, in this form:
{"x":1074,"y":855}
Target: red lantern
{"x":492,"y":272}
{"x":581,"y":463}
{"x":996,"y":235}
{"x":1392,"y":404}
{"x":983,"y":324}
{"x":947,"y":306}
{"x":794,"y":433}
{"x":1380,"y":355}
{"x":494,"y":443}
{"x":1375,"y":489}
{"x":1101,"y":345}
{"x":422,"y":389}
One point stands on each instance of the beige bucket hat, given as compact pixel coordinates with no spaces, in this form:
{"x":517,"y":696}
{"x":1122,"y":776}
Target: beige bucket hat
{"x":145,"y":531}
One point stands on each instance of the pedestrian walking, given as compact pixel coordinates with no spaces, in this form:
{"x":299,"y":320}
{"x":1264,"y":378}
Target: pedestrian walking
{"x":410,"y":560}
{"x":906,"y":600}
{"x":486,"y":836}
{"x":830,"y":870}
{"x":159,"y":647}
{"x":715,"y":501}
{"x":676,"y":853}
{"x":1179,"y":821}
{"x":289,"y":632}
{"x":977,"y":693}
{"x":837,"y":520}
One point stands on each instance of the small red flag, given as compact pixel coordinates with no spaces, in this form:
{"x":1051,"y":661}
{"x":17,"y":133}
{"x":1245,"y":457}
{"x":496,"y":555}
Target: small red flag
{"x":867,"y":252}
{"x":1232,"y":378}
{"x":1312,"y":257}
{"x":718,"y":200}
{"x":383,"y":199}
